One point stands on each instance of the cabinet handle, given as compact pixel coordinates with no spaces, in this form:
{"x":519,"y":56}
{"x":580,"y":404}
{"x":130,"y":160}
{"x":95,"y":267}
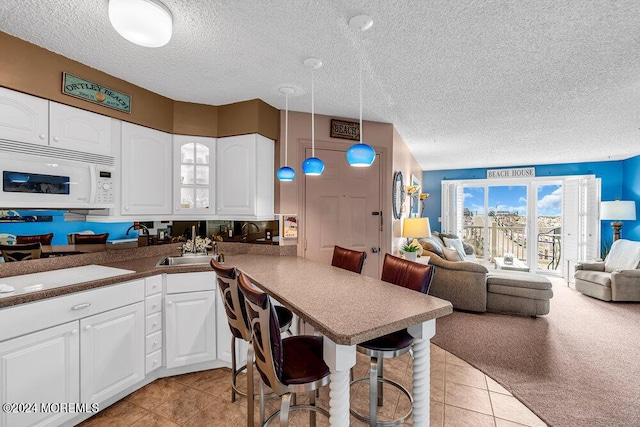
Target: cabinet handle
{"x":155,"y":362}
{"x":42,"y":136}
{"x":154,"y":306}
{"x":154,"y":324}
{"x":155,"y":343}
{"x":169,"y":302}
{"x":81,"y":306}
{"x":86,"y":328}
{"x":126,"y":208}
{"x":74,"y":331}
{"x":56,"y":138}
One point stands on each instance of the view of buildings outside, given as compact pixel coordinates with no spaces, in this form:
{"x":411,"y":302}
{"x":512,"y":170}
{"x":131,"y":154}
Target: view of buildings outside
{"x":507,"y":219}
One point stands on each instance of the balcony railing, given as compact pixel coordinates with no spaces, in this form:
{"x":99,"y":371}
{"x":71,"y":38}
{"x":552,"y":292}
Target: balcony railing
{"x":512,"y":239}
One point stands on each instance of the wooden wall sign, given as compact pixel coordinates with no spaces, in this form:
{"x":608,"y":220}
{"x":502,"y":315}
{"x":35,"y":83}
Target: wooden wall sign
{"x":93,"y":92}
{"x":345,"y":130}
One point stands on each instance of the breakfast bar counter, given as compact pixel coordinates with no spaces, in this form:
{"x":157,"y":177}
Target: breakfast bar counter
{"x":348,"y":308}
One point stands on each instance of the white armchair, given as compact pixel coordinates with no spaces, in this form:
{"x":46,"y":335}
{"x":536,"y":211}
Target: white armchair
{"x":617,"y":278}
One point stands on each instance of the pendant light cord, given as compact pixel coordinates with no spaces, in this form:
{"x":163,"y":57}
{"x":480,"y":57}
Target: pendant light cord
{"x":361,"y":139}
{"x":286,"y":128}
{"x":313,"y":124}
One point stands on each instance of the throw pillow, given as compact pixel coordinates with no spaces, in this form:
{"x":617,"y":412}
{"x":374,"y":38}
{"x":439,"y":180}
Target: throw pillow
{"x":456,"y":244}
{"x":451,"y":254}
{"x":432,"y":244}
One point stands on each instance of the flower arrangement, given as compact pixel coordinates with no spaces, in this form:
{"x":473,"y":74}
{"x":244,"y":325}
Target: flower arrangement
{"x":200,"y":245}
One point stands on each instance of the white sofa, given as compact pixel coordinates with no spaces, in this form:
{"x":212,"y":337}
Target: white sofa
{"x":617,"y":278}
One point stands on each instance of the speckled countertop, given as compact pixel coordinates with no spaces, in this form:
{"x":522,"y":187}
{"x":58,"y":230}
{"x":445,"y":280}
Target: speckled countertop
{"x":142,"y":261}
{"x":346,"y":307}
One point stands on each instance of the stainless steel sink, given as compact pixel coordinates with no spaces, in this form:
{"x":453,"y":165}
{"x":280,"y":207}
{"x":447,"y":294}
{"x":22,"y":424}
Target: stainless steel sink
{"x":184,"y":260}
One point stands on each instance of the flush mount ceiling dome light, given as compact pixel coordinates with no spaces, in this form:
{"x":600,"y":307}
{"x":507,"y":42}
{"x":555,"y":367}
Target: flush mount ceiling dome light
{"x":312,"y":165}
{"x":361,"y":155}
{"x":146,"y":23}
{"x":286,"y":173}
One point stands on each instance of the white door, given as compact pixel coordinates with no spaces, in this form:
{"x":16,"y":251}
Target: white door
{"x":223,"y":337}
{"x":190,"y":327}
{"x":146,"y":171}
{"x":342,"y":207}
{"x":23,"y":118}
{"x":112,"y":352}
{"x":80,"y":130}
{"x":42,"y":367}
{"x":193,"y":173}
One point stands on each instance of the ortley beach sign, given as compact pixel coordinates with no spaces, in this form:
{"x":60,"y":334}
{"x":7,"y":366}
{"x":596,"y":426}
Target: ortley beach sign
{"x":93,"y":92}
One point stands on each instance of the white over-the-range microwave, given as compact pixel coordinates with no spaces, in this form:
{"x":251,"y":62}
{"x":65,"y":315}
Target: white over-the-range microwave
{"x":35,"y":176}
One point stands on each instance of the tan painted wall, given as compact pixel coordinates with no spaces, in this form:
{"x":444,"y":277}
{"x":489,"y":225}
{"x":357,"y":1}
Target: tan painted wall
{"x":31,"y":69}
{"x":403,"y":161}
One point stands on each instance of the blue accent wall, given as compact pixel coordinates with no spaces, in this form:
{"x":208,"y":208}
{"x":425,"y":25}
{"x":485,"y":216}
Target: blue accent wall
{"x":618,"y":179}
{"x":631,"y":191}
{"x":60,"y":228}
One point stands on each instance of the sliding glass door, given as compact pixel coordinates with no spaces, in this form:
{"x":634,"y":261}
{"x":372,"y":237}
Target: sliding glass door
{"x":542,"y":222}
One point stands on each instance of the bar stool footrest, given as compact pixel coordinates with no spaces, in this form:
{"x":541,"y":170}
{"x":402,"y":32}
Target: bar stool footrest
{"x":391,"y":423}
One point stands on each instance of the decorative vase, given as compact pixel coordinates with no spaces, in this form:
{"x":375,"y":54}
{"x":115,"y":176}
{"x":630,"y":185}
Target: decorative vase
{"x":411,"y":256}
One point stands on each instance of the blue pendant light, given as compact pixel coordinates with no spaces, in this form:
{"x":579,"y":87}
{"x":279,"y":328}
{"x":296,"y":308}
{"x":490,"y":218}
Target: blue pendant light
{"x":361,"y":155}
{"x":285,"y":173}
{"x":313,"y":166}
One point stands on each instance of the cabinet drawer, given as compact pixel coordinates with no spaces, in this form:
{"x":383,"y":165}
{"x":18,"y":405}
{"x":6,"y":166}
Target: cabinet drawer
{"x":153,"y":323}
{"x":153,"y":342}
{"x":153,"y":361}
{"x":191,"y":282}
{"x":153,"y":285}
{"x":31,"y":317}
{"x":153,"y":304}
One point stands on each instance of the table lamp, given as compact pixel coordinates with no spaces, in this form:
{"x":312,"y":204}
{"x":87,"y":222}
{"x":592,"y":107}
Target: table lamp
{"x":617,"y":211}
{"x":416,"y":228}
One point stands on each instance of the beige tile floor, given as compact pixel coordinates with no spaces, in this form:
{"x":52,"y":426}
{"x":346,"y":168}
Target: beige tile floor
{"x":460,"y":396}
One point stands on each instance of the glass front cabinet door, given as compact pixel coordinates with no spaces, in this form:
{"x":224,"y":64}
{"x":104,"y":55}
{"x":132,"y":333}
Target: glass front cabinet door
{"x":193,"y":174}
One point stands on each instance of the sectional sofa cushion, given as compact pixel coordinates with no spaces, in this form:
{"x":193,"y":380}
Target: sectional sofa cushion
{"x":432,"y":244}
{"x":455,"y":244}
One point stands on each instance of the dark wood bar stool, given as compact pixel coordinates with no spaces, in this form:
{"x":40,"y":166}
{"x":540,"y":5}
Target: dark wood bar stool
{"x":238,"y":320}
{"x":44,"y":239}
{"x":348,"y":259}
{"x":21,"y":251}
{"x":288,"y":366}
{"x":86,"y":239}
{"x":409,"y":275}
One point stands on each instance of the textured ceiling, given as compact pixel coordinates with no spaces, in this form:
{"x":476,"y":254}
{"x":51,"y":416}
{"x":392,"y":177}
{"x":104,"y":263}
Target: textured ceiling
{"x":466,"y":83}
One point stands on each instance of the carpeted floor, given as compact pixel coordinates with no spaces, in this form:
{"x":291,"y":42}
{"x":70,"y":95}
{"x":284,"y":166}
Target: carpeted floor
{"x":577,"y":366}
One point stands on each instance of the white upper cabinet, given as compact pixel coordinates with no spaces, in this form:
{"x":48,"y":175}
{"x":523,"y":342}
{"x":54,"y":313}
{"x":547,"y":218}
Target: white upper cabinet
{"x":146,"y":171}
{"x":244,"y":176}
{"x":26,"y":118}
{"x":23,"y":117}
{"x":193,"y":175}
{"x":79,"y":130}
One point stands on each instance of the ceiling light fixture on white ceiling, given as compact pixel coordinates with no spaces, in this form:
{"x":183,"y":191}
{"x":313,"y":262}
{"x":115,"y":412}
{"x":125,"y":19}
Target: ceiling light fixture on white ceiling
{"x":286,"y":173}
{"x":147,"y":23}
{"x":313,"y":165}
{"x":361,"y":155}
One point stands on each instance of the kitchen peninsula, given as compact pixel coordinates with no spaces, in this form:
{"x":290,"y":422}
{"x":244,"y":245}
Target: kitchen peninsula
{"x":347,"y":308}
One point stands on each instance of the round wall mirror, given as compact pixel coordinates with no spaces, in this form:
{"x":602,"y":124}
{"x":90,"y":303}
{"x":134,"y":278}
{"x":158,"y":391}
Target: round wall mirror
{"x":398,"y":194}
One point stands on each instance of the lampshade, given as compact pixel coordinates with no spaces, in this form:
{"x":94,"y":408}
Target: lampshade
{"x":146,"y":23}
{"x":285,"y":173}
{"x":416,"y":228}
{"x":618,"y":210}
{"x":313,"y":165}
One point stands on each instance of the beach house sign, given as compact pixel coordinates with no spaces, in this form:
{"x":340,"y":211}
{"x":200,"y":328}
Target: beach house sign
{"x":511,"y":173}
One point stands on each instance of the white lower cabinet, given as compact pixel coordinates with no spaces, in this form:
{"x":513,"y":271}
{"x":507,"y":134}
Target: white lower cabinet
{"x":190,"y":319}
{"x":112,"y":346}
{"x":80,"y":348}
{"x":42,"y":367}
